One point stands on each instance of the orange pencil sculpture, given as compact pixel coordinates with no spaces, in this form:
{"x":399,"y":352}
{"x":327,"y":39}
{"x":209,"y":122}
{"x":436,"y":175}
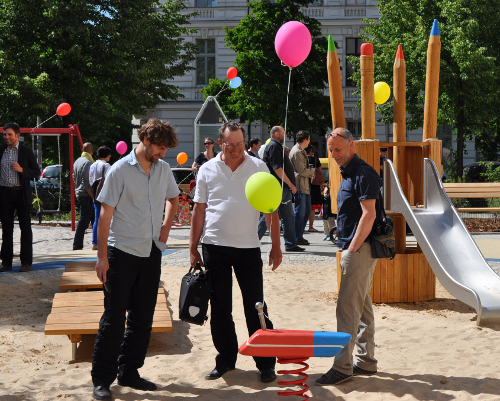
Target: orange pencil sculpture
{"x":367,"y":92}
{"x":399,"y":135}
{"x":432,"y":82}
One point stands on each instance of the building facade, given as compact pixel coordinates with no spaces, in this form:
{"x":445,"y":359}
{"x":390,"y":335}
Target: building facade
{"x":340,"y":18}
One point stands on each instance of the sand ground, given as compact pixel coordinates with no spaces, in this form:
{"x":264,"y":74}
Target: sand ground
{"x":426,"y":350}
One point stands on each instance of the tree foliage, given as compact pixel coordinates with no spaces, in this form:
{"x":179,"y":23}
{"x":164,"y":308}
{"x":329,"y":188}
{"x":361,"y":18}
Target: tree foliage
{"x":109,"y":59}
{"x":469,"y":73}
{"x":262,"y":95}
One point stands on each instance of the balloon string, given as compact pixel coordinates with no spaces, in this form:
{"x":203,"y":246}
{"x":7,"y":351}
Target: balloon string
{"x":282,"y":188}
{"x":225,"y":83}
{"x":33,"y":129}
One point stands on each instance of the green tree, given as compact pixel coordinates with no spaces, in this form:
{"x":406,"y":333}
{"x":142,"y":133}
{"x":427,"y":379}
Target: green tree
{"x":262,"y":95}
{"x":469,"y":76}
{"x":109,"y":59}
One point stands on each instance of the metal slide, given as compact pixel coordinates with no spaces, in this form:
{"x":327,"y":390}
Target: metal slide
{"x":453,"y":255}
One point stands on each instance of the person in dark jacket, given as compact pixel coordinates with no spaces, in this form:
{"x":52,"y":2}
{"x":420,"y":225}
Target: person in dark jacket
{"x":17,"y":167}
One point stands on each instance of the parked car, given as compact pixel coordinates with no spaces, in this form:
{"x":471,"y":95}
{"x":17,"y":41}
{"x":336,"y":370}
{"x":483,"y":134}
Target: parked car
{"x":473,"y":172}
{"x":183,"y":176}
{"x":49,"y":177}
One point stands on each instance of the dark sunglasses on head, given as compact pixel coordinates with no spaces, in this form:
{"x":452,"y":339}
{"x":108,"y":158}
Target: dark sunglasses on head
{"x":332,"y":135}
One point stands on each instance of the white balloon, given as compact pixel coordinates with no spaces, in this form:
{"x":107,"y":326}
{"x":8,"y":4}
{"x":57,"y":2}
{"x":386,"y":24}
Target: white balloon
{"x":261,"y":151}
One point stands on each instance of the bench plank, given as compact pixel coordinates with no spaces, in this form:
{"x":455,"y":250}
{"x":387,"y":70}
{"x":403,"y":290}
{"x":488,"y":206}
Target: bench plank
{"x":79,"y":280}
{"x":79,"y":266}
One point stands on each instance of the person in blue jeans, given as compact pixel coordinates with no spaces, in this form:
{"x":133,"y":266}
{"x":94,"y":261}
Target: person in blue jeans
{"x":280,"y":166}
{"x":97,"y":174}
{"x":303,"y":207}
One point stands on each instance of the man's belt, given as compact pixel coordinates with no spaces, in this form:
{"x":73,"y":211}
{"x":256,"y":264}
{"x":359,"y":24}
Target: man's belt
{"x":10,"y":188}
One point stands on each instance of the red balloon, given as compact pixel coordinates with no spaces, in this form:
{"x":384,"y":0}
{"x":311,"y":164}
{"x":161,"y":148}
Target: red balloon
{"x":231,"y":73}
{"x":63,"y":109}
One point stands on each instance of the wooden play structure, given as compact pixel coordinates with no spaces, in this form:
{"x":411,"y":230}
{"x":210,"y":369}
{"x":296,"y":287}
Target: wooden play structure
{"x":408,"y":277}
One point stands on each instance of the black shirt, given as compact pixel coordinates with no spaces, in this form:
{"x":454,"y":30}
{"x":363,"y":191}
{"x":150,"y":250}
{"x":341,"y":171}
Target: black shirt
{"x":359,"y":182}
{"x":273,"y":157}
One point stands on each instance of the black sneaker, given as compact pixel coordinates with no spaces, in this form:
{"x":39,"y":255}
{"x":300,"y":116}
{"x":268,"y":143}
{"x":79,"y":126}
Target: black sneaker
{"x":332,"y":377}
{"x":303,"y":241}
{"x":4,"y":268}
{"x":137,"y":382}
{"x":357,"y":371}
{"x":295,"y":249}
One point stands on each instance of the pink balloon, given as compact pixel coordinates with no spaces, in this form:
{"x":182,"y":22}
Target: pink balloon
{"x":121,"y":147}
{"x":293,"y":43}
{"x":63,"y":109}
{"x":231,"y":73}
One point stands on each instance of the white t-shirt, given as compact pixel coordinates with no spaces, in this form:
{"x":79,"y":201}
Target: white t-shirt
{"x":229,"y":219}
{"x":95,"y":172}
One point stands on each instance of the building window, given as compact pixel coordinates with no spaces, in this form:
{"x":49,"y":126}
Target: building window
{"x":316,"y":3}
{"x":205,"y":61}
{"x":205,"y":3}
{"x":353,"y":48}
{"x":354,"y":2}
{"x":354,"y":128}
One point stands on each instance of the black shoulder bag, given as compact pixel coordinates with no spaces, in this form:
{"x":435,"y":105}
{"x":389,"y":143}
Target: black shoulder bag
{"x":382,"y":239}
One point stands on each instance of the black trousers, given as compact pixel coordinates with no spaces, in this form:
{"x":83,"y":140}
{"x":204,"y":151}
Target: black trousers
{"x":87,"y":214}
{"x":11,"y":201}
{"x":133,"y":284}
{"x":247,"y":265}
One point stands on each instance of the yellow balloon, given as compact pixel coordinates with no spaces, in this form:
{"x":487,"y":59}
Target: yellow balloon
{"x":382,"y":92}
{"x":269,"y":140}
{"x":263,"y":192}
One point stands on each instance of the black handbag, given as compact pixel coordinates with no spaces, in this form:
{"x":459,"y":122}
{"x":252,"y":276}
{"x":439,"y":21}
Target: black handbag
{"x":196,"y":288}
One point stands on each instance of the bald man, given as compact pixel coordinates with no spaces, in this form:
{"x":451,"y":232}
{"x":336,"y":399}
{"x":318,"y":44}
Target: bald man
{"x":83,"y":192}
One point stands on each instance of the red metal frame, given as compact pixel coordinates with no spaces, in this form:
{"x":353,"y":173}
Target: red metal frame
{"x":73,"y":130}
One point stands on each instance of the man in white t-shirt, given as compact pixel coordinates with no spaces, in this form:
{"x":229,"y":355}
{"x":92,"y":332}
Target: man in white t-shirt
{"x":227,"y":225}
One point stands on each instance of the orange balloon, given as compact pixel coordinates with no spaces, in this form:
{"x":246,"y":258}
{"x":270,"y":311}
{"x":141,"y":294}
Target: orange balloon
{"x":182,"y":158}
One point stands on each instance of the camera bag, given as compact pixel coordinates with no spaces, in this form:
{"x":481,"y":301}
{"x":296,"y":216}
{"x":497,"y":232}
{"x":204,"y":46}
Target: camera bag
{"x":196,"y":288}
{"x":382,"y":239}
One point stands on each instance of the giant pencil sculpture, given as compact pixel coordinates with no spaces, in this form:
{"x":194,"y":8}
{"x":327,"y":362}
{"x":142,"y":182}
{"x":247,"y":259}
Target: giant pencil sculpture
{"x":432,"y":83}
{"x":367,"y":92}
{"x":335,"y":84}
{"x":338,"y":117}
{"x":399,"y":134}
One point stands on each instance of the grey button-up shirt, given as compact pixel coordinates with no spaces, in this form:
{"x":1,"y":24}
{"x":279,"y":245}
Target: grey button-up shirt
{"x":139,"y":203}
{"x":9,"y":177}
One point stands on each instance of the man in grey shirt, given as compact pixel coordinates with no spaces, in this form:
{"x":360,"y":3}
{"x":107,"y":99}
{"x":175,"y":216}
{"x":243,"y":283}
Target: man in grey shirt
{"x":83,"y":192}
{"x":131,"y":236}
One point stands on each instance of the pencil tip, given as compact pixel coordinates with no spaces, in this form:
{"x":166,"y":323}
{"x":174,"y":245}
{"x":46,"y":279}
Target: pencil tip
{"x":331,"y":44}
{"x":399,"y":53}
{"x":435,"y":28}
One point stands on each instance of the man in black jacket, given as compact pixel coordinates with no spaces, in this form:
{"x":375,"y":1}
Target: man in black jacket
{"x":17,"y":166}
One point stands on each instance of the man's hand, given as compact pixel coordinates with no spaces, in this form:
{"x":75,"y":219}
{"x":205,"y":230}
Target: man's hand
{"x":165,"y":230}
{"x":195,"y":257}
{"x":275,"y":257}
{"x":293,"y":188}
{"x":16,"y":167}
{"x":101,"y":267}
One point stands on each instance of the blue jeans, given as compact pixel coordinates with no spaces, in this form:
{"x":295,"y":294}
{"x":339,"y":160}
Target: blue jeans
{"x":86,"y":216}
{"x":302,"y":212}
{"x":97,"y":211}
{"x":285,"y":211}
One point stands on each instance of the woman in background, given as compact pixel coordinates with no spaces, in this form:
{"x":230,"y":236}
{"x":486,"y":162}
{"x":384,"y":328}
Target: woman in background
{"x":205,"y":156}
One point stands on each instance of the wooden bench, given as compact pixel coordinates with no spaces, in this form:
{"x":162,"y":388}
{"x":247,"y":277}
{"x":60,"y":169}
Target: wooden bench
{"x":81,"y":280}
{"x":457,"y":190}
{"x":77,"y":313}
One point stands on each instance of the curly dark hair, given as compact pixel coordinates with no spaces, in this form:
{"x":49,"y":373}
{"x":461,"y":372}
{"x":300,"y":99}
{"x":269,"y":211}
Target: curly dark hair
{"x":231,"y":126}
{"x":159,"y":133}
